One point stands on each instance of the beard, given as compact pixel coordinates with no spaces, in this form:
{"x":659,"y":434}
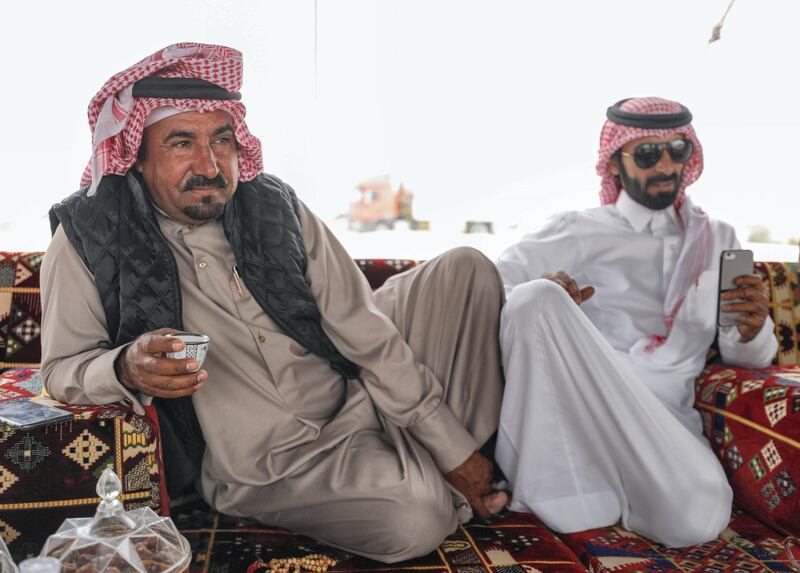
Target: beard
{"x":206,"y":210}
{"x":656,"y":202}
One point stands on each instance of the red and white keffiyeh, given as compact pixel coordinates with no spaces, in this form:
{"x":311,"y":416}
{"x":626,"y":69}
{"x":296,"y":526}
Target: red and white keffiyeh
{"x":691,"y":260}
{"x":117,"y":119}
{"x":614,"y":136}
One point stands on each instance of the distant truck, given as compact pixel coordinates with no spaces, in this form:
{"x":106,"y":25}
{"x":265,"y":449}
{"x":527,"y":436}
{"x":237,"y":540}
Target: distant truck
{"x":379,"y":207}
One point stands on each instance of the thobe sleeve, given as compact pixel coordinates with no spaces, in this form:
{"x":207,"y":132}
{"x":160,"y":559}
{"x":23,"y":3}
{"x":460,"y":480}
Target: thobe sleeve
{"x":552,"y":248}
{"x":76,"y":369}
{"x":405,"y":392}
{"x":760,"y":351}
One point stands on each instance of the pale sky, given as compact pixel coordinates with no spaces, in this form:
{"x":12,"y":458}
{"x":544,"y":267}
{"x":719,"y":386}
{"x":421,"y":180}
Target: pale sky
{"x":486,"y":109}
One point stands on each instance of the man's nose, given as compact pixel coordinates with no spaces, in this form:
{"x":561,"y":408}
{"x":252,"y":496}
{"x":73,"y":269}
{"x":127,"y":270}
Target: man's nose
{"x":665,"y":165}
{"x":206,"y":162}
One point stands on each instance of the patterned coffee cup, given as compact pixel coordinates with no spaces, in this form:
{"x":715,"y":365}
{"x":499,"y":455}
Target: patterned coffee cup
{"x":196,"y":347}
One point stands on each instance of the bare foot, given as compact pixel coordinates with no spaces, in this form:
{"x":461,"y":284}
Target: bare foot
{"x":495,"y":501}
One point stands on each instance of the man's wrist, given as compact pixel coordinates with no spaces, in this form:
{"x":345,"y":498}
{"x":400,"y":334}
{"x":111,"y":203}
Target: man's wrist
{"x":744,"y":339}
{"x":121,"y":370}
{"x":445,"y":438}
{"x":460,"y":467}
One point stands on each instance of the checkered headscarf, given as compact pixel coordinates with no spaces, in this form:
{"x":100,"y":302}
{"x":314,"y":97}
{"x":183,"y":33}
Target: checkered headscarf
{"x":614,"y":136}
{"x":697,"y":238}
{"x":117,"y":119}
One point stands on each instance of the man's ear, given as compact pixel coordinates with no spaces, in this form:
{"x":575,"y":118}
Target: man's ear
{"x":140,"y":159}
{"x":613,"y":165}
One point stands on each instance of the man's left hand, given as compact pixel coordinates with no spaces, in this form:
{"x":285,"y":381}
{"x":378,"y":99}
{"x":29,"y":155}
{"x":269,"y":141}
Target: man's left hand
{"x":754,"y":307}
{"x":473,"y":479}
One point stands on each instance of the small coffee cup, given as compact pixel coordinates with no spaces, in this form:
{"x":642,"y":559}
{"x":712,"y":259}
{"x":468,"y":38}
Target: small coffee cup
{"x":196,"y":346}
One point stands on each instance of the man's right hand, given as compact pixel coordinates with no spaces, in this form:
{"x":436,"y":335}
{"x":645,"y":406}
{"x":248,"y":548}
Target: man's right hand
{"x":141,"y":366}
{"x":579,"y":295}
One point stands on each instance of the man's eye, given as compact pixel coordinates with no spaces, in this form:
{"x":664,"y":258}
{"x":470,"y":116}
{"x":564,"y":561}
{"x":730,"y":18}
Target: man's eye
{"x":224,"y":139}
{"x":181,"y":144}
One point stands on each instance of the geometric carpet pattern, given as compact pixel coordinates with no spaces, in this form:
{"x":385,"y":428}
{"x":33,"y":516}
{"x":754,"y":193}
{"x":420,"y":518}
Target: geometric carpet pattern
{"x":782,"y":285}
{"x":747,"y":545}
{"x":20,"y":309}
{"x":509,"y":543}
{"x":752,"y":421}
{"x":50,"y":473}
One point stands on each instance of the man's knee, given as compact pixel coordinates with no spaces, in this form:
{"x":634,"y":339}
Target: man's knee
{"x":695,"y":516}
{"x":534,"y":299}
{"x":415,"y":527}
{"x":466,"y":257}
{"x":470,"y":265}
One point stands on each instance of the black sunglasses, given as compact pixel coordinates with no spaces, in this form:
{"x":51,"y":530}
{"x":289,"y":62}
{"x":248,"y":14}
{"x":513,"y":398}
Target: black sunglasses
{"x":647,"y":155}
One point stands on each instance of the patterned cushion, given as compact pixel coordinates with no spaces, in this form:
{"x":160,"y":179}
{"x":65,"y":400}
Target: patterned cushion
{"x":50,"y":473}
{"x":782,"y":287}
{"x":378,"y":270}
{"x":783,"y":281}
{"x":20,"y":310}
{"x":752,"y":419}
{"x":745,"y":546}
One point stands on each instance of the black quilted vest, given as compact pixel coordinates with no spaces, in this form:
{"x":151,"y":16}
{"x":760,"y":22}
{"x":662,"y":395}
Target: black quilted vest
{"x":117,"y":237}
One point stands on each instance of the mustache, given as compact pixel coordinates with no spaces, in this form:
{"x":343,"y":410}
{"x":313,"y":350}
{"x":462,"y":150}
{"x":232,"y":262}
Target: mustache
{"x":662,"y":178}
{"x":201,"y":181}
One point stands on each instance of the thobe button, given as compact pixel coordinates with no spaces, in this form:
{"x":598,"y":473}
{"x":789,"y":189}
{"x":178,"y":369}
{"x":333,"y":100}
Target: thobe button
{"x":202,"y":265}
{"x":672,"y":247}
{"x":262,"y":338}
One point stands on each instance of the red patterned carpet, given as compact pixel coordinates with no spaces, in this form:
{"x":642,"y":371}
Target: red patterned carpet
{"x":509,"y":544}
{"x":746,"y":545}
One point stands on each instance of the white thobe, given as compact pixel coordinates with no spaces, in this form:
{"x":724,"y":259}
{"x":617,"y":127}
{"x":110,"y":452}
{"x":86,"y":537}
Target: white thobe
{"x":595,"y":429}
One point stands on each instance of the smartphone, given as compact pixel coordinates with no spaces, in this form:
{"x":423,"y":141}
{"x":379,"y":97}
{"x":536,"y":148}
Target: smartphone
{"x":25,"y":414}
{"x":732,"y":264}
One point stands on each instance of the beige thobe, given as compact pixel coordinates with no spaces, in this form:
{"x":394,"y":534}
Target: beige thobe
{"x":357,"y":464}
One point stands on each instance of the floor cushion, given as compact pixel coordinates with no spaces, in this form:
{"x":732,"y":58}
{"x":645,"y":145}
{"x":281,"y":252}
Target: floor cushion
{"x":20,"y":310}
{"x":50,"y":473}
{"x":752,"y":420}
{"x":782,"y":282}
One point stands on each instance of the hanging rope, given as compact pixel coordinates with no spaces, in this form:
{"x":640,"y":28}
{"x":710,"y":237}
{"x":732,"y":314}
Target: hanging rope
{"x":715,"y":33}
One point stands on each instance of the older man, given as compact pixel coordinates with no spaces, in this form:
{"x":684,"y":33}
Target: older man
{"x":351,"y":417}
{"x":597,"y":422}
